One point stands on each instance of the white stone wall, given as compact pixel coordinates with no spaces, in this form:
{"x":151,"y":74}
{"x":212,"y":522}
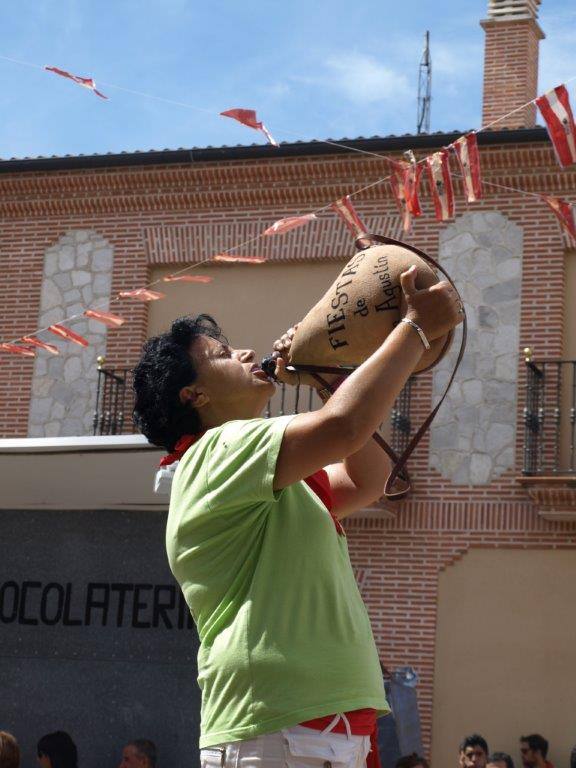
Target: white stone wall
{"x":473,"y":435}
{"x":77,"y":275}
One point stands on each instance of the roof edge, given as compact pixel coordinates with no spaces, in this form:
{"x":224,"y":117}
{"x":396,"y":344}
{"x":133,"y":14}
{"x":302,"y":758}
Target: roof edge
{"x":256,"y":151}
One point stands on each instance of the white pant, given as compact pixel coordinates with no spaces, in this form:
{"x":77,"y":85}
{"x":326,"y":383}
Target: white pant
{"x":296,"y":747}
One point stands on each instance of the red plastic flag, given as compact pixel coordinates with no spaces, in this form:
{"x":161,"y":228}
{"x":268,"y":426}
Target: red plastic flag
{"x":466,"y":149}
{"x":555,"y":109}
{"x":347,"y":213}
{"x":438,"y":165}
{"x":408,"y":175}
{"x":565,"y":212}
{"x":248,"y":117}
{"x":142,"y":294}
{"x":86,"y":82}
{"x":66,"y":333}
{"x":401,"y":202}
{"x":239,"y":259}
{"x":112,"y":321}
{"x":187,"y":279}
{"x":290,"y":222}
{"x":34,"y":341}
{"x":16,"y":350}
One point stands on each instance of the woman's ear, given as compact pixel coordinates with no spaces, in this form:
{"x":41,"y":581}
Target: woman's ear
{"x":194,"y":396}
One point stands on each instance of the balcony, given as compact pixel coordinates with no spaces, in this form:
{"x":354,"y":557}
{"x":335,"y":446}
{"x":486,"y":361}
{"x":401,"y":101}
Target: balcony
{"x":115,"y":400}
{"x":549,"y":467}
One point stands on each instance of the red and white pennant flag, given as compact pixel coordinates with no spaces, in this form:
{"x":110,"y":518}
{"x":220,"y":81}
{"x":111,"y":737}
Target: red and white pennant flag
{"x":466,"y":149}
{"x":66,"y":333}
{"x":112,"y":321}
{"x":85,"y":82}
{"x":408,"y":178}
{"x":555,"y":109}
{"x":35,"y":342}
{"x":142,"y":294}
{"x":290,"y":222}
{"x":347,"y":213}
{"x":231,"y":259}
{"x":438,"y":165}
{"x":248,"y":117}
{"x":17,"y":350}
{"x":565,"y":212}
{"x":401,"y":202}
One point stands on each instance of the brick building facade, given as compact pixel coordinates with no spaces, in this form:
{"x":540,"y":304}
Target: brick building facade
{"x":173,"y":208}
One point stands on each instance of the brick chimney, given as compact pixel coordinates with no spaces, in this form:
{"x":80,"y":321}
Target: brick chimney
{"x":511,"y":62}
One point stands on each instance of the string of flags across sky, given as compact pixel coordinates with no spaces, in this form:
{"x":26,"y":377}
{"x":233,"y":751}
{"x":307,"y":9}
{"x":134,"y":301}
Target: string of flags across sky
{"x":405,"y":178}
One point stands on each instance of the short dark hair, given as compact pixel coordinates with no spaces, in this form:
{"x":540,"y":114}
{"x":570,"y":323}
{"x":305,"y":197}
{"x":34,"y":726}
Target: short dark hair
{"x":475,"y":740}
{"x":60,"y":748}
{"x":501,"y":757}
{"x":165,"y":367}
{"x":411,"y":761}
{"x":536,"y":743}
{"x":9,"y":751}
{"x":145,"y":748}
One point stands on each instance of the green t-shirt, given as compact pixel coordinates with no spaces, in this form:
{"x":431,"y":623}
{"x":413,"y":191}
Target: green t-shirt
{"x":284,"y":634}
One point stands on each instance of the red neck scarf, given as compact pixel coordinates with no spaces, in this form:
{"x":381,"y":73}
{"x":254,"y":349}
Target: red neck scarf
{"x":180,"y":449}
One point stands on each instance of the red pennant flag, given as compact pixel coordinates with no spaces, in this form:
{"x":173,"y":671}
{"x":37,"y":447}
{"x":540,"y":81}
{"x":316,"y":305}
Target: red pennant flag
{"x":401,"y":202}
{"x":290,"y":222}
{"x":42,"y":344}
{"x":409,"y":179}
{"x":16,"y":350}
{"x":239,"y":259}
{"x":565,"y":212}
{"x":187,"y":279}
{"x":555,"y":109}
{"x":248,"y":117}
{"x":347,"y":213}
{"x":112,"y":321}
{"x":66,"y":333}
{"x":142,"y":294}
{"x":85,"y":82}
{"x":438,"y":165}
{"x":466,"y":149}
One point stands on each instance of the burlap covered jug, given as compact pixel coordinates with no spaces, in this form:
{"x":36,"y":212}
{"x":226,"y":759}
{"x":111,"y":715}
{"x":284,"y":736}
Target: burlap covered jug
{"x":361,"y":308}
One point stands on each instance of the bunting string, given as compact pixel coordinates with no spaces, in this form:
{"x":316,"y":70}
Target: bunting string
{"x":404,"y":179}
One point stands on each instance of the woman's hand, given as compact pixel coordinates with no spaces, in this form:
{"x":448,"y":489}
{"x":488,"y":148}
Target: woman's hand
{"x":437,"y":310}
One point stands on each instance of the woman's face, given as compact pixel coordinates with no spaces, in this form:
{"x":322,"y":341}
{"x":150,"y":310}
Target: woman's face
{"x":44,"y":761}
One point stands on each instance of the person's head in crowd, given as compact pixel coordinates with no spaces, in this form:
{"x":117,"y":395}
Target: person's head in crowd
{"x":9,"y":751}
{"x":412,"y":761}
{"x":140,"y":753}
{"x":473,"y":752}
{"x":533,"y":749}
{"x":57,"y":750}
{"x":500,"y":760}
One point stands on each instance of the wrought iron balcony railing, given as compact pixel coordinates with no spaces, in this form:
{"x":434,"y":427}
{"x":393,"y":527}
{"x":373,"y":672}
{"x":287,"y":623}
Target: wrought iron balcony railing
{"x":115,"y":400}
{"x":549,"y":416}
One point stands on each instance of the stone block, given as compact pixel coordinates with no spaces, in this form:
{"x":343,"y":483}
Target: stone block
{"x":472,"y":392}
{"x":479,"y":441}
{"x":462,"y":474}
{"x":72,"y":296}
{"x":507,"y":367}
{"x":80,"y":277}
{"x":101,"y":284}
{"x":509,"y":269}
{"x":443,"y":436}
{"x":458,"y":245}
{"x":65,"y":258}
{"x":87,"y":294}
{"x":72,"y":369}
{"x":41,"y":386}
{"x":485,"y":366}
{"x":102,"y":260}
{"x":52,"y":429}
{"x":51,"y":296}
{"x":506,"y":340}
{"x":509,"y":312}
{"x":505,"y":460}
{"x":499,"y":392}
{"x":487,"y":317}
{"x":50,"y":263}
{"x":58,"y":411}
{"x":55,"y":367}
{"x":480,"y":469}
{"x":63,"y":281}
{"x":60,"y":392}
{"x":504,"y":291}
{"x":498,"y":437}
{"x":40,"y":366}
{"x":72,"y":426}
{"x":81,"y":235}
{"x":479,"y":222}
{"x":35,"y":430}
{"x":40,"y":409}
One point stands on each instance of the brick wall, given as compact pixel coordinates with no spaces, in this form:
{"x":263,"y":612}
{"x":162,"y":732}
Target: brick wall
{"x":400,"y":558}
{"x":510,"y":71}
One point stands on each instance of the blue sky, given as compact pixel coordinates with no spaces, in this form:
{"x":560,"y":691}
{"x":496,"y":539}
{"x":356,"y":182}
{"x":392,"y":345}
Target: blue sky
{"x":311,"y":68}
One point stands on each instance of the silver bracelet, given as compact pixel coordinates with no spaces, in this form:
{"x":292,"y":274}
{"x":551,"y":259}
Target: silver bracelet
{"x":419,"y":331}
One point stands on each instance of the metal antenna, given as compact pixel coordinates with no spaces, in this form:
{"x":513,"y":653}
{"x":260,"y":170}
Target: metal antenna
{"x":425,"y":88}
